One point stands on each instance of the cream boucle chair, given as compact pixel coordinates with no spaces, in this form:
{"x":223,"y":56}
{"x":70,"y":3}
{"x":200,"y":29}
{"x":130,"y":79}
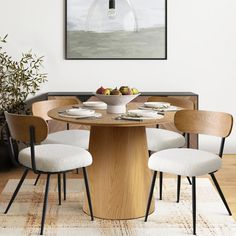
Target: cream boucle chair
{"x":76,"y":137}
{"x":44,"y":158}
{"x":192,"y":162}
{"x":160,"y":139}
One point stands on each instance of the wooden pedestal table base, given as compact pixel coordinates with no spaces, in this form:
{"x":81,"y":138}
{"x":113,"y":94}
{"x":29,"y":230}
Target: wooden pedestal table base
{"x":119,"y":176}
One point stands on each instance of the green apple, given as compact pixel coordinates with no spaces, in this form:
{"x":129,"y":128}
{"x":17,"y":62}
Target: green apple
{"x":134,"y":91}
{"x":125,"y":90}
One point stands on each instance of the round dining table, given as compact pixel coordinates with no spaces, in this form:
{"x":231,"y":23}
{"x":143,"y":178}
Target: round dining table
{"x":119,"y":176}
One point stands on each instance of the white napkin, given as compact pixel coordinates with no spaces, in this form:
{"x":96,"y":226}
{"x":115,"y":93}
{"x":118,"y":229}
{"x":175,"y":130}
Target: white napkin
{"x":143,"y":113}
{"x":157,"y":104}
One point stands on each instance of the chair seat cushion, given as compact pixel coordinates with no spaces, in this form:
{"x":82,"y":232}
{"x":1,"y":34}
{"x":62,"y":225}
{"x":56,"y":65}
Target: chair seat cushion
{"x":160,"y":139}
{"x":56,"y":157}
{"x":79,"y":138}
{"x":185,"y":161}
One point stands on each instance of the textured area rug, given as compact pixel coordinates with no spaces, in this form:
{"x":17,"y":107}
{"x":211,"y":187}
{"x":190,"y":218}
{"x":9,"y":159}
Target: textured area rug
{"x":170,"y":218}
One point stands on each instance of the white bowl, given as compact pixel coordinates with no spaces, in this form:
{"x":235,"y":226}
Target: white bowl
{"x":79,"y":112}
{"x":116,"y":103}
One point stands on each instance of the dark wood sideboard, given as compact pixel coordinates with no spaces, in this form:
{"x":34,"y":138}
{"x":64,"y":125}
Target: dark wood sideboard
{"x":84,"y":96}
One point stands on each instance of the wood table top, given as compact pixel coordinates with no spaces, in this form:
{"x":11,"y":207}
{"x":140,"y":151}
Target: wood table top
{"x":109,"y":119}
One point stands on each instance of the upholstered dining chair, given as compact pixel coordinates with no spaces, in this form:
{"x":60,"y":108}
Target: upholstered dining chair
{"x":160,"y":139}
{"x":45,"y":159}
{"x":76,"y":137}
{"x":192,"y":162}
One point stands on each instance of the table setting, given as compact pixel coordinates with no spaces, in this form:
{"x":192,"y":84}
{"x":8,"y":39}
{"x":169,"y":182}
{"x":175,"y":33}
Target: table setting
{"x":139,"y":115}
{"x":160,"y":107}
{"x":79,"y":113}
{"x":113,"y":102}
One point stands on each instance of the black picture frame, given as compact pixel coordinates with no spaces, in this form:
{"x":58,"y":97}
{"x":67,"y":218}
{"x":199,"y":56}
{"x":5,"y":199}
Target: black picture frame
{"x":71,"y":58}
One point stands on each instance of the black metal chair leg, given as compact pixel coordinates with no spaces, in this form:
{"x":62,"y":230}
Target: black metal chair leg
{"x":45,"y":203}
{"x":36,"y":181}
{"x":178,"y":187}
{"x":59,"y":187}
{"x":160,"y":182}
{"x":220,"y":192}
{"x":150,"y":195}
{"x":17,"y":190}
{"x":189,"y":180}
{"x":194,"y":203}
{"x":64,"y":185}
{"x":88,"y":192}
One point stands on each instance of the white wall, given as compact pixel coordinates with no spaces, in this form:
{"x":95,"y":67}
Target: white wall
{"x":201,"y":53}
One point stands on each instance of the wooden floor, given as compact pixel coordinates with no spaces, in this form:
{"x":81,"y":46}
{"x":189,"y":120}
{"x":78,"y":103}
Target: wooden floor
{"x":226,"y":178}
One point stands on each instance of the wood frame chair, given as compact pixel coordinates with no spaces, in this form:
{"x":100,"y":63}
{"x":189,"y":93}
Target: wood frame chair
{"x":41,"y":109}
{"x":178,"y":102}
{"x":33,"y":130}
{"x":217,"y":124}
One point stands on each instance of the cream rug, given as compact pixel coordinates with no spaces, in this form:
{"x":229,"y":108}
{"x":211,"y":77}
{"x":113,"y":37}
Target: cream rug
{"x":169,"y":219}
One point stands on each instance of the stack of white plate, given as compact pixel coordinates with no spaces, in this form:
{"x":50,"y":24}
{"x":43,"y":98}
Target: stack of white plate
{"x":95,"y":105}
{"x":79,"y":113}
{"x":143,"y":114}
{"x":158,"y":105}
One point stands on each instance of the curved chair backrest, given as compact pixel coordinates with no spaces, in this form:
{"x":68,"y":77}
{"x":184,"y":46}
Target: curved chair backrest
{"x":179,"y":102}
{"x":19,"y":127}
{"x":204,"y":122}
{"x":41,"y":108}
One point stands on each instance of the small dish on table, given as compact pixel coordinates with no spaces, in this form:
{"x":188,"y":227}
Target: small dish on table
{"x":95,"y":105}
{"x":159,"y":106}
{"x":140,"y":115}
{"x":79,"y":113}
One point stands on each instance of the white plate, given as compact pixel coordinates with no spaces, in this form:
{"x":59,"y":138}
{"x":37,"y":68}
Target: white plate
{"x":95,"y":115}
{"x":170,"y":108}
{"x":142,"y":118}
{"x":79,"y":112}
{"x":157,"y":104}
{"x":95,"y":105}
{"x":143,"y":113}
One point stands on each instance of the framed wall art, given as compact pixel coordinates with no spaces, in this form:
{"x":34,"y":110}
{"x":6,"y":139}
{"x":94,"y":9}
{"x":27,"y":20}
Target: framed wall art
{"x":116,"y":29}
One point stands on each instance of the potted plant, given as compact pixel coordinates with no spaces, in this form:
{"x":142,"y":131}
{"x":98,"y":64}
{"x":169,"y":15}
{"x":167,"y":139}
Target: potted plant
{"x":18,"y":79}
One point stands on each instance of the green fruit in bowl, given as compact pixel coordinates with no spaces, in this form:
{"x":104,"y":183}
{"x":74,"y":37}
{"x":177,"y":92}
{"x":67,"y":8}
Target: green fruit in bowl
{"x":134,"y":91}
{"x":122,"y":88}
{"x":125,"y":90}
{"x":116,"y":92}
